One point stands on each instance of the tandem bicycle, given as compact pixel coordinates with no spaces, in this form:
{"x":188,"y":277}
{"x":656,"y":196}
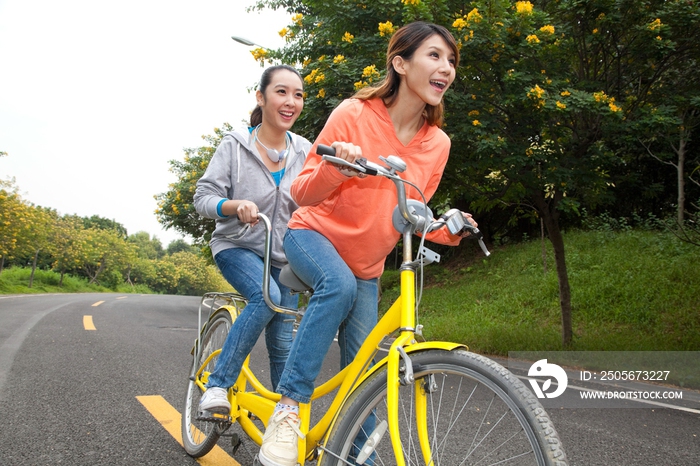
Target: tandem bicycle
{"x":403,"y":400}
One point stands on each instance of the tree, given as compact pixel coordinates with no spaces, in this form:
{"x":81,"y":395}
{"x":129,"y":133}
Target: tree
{"x":38,"y":236}
{"x":147,"y":247}
{"x":176,"y":205}
{"x":543,"y":93}
{"x":95,"y":221}
{"x":179,"y":245}
{"x":14,"y":221}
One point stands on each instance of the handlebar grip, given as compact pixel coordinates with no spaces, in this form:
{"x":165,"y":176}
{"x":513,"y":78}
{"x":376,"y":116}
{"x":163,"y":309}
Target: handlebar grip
{"x":325,"y":150}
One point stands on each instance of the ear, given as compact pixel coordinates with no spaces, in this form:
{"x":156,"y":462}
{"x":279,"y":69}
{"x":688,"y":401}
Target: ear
{"x":399,"y":65}
{"x":260,"y":99}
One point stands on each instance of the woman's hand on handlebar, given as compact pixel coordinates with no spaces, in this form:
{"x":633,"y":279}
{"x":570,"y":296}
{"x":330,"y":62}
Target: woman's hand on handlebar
{"x":468,"y":218}
{"x":247,"y":212}
{"x":349,"y":152}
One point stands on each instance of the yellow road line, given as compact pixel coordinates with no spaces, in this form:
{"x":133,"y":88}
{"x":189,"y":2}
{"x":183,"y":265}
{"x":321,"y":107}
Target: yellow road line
{"x":97,"y":303}
{"x":87,"y":323}
{"x":170,"y":419}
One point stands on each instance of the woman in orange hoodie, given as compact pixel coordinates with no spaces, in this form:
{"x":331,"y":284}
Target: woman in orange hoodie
{"x":340,"y":236}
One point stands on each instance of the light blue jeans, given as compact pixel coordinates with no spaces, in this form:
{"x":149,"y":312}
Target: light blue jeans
{"x":243,"y":269}
{"x":340,"y":302}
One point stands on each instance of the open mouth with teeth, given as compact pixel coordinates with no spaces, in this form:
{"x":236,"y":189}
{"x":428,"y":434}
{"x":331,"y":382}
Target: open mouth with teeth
{"x":441,"y":85}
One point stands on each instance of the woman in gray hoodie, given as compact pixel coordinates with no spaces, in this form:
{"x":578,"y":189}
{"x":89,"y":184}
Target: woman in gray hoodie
{"x":250,"y":172}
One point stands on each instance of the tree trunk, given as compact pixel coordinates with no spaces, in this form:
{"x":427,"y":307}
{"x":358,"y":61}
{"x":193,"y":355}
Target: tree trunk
{"x":93,"y":278}
{"x":544,"y":248}
{"x":31,"y":275}
{"x":681,"y":179}
{"x":2,"y":263}
{"x":550,"y":215}
{"x":60,"y":281}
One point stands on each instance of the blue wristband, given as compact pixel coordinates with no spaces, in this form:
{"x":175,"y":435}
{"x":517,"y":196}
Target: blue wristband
{"x":218,"y":208}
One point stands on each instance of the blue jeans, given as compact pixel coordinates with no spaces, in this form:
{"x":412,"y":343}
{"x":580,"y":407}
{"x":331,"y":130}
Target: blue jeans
{"x":243,"y":269}
{"x":341,"y":302}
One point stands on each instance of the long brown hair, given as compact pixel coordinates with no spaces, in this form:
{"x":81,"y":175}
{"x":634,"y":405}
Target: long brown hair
{"x":403,"y":44}
{"x":256,"y":114}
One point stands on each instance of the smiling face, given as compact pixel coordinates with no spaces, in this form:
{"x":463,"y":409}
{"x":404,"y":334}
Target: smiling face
{"x":282,"y":101}
{"x":430,"y":71}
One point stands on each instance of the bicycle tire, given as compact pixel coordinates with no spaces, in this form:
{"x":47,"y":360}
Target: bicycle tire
{"x":494,"y":417}
{"x":199,"y":437}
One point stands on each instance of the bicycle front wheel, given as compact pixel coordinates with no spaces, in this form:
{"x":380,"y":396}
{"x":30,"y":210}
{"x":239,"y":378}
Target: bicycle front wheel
{"x":466,"y":410}
{"x":198,"y":436}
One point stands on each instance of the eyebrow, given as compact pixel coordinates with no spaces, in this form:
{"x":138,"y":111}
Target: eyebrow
{"x":442,"y":50}
{"x":284,"y":86}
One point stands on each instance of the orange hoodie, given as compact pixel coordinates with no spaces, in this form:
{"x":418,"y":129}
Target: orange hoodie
{"x":355,"y":213}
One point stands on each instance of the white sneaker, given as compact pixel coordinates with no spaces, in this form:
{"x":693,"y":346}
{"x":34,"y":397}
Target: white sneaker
{"x":279,"y":445}
{"x":215,"y":400}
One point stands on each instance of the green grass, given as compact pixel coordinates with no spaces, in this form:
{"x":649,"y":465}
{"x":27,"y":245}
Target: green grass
{"x":15,"y":280}
{"x":631,"y":291}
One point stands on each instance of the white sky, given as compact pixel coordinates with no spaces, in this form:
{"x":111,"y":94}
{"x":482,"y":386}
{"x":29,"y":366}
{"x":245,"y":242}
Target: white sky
{"x":97,"y":96}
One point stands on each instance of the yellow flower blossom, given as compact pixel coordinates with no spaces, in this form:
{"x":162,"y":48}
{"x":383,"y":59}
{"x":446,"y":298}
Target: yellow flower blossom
{"x":473,"y":113}
{"x":283,"y":32}
{"x":536,"y":94}
{"x":459,"y":24}
{"x":259,"y":53}
{"x":321,"y":94}
{"x":549,"y":29}
{"x":565,"y":93}
{"x":370,"y":72}
{"x":533,"y":39}
{"x":476,"y":123}
{"x":297,"y":18}
{"x":561,"y":105}
{"x":614,"y":107}
{"x":601,"y":97}
{"x":311,"y":77}
{"x":655,"y":25}
{"x":474,"y":16}
{"x":410,"y":2}
{"x":347,"y":37}
{"x":595,"y":31}
{"x":359,"y":85}
{"x":536,"y":91}
{"x":386,"y":29}
{"x":338,"y":59}
{"x":524,"y":8}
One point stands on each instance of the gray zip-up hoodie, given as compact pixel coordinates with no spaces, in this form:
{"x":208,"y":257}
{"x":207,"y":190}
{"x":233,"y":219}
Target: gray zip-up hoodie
{"x":237,"y":172}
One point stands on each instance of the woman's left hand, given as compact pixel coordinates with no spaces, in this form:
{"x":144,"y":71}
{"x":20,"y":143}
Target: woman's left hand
{"x":468,"y":218}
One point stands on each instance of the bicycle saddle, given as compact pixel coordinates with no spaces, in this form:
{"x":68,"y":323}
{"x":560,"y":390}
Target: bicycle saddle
{"x":290,"y":279}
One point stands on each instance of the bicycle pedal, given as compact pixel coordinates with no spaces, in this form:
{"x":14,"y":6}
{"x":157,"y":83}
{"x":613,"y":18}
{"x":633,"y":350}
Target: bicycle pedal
{"x":204,"y":415}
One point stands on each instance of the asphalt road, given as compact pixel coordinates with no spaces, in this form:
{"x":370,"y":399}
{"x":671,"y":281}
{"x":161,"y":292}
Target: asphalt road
{"x":112,"y":396}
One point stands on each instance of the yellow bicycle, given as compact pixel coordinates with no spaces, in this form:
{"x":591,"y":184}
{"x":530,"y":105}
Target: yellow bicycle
{"x":439,"y":403}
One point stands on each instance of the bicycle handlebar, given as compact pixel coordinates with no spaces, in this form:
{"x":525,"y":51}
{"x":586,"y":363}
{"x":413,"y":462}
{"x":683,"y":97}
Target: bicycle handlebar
{"x":453,"y":218}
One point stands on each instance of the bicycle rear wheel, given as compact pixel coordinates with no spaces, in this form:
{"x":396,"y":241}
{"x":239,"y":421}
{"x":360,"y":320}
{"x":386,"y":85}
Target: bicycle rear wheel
{"x":199,"y":437}
{"x":475,"y":412}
